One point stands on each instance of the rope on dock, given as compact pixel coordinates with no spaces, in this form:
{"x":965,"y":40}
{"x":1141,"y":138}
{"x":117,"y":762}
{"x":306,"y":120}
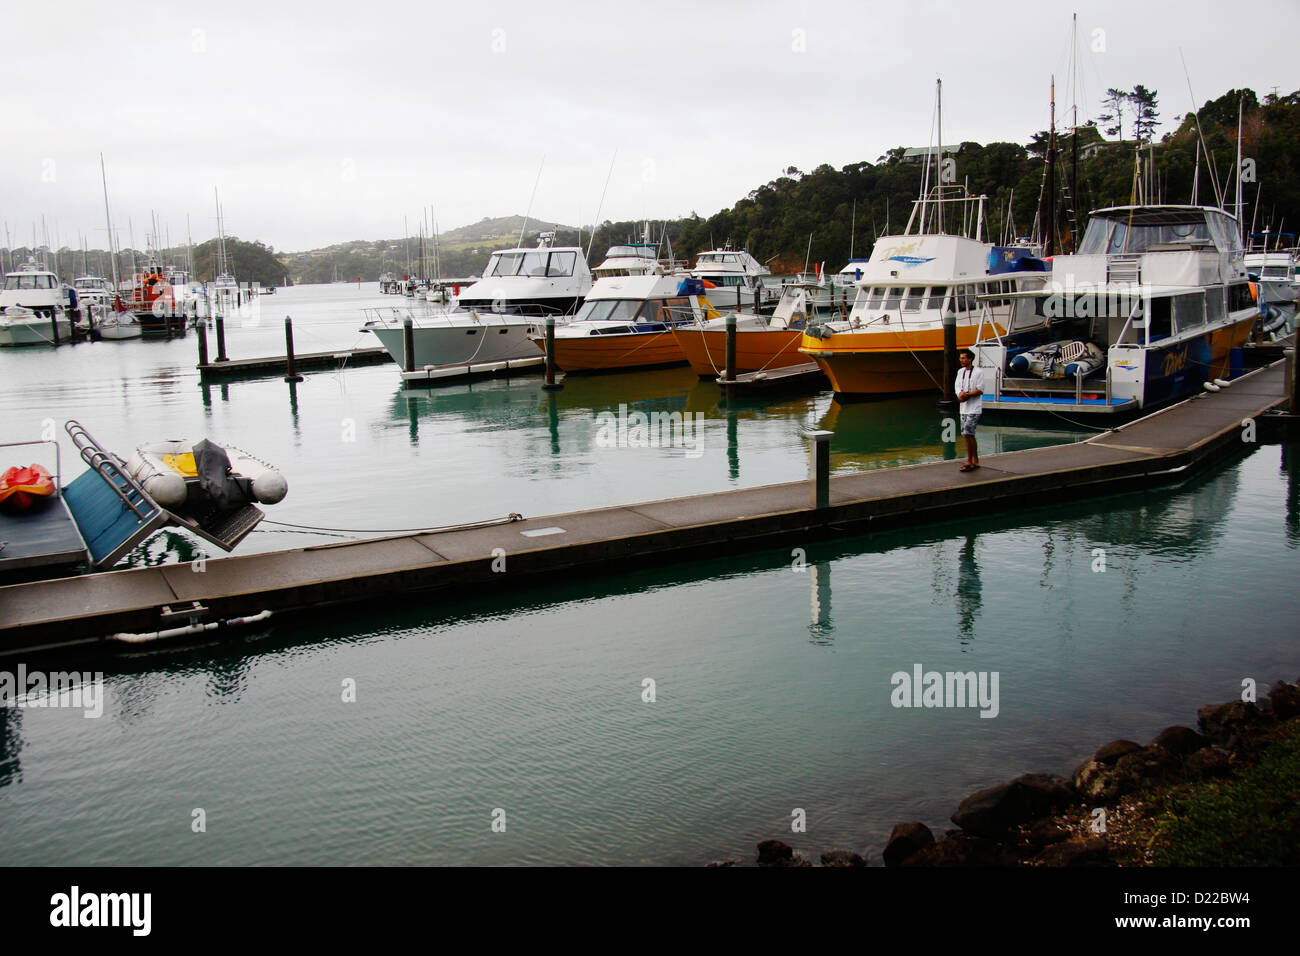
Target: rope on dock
{"x":490,"y":522}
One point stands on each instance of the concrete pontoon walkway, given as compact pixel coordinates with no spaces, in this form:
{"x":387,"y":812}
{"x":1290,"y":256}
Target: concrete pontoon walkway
{"x":1158,"y":448}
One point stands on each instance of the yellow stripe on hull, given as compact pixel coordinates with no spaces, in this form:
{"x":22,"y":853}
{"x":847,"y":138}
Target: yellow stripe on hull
{"x":885,"y":363}
{"x":707,"y":350}
{"x":600,"y":352}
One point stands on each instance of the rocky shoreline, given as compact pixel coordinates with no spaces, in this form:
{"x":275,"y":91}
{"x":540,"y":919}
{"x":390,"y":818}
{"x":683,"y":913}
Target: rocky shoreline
{"x":1104,"y":814}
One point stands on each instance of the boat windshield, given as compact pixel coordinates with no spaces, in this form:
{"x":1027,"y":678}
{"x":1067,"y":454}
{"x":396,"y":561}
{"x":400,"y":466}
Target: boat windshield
{"x":608,"y":310}
{"x":29,"y":280}
{"x":531,"y":262}
{"x":640,"y":252}
{"x":1144,"y":230}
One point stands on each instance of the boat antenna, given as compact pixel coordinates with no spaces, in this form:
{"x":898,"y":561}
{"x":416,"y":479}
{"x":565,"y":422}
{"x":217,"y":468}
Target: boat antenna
{"x":808,"y":254}
{"x":601,"y":205}
{"x":938,"y":159}
{"x":1196,"y":176}
{"x":1241,"y":228}
{"x":530,"y":201}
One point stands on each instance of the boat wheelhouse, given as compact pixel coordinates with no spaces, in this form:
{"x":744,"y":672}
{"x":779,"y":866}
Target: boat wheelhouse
{"x":936,"y":270}
{"x":1160,"y":291}
{"x":628,"y":322}
{"x":630,"y":259}
{"x":547,"y":280}
{"x":732,"y":278}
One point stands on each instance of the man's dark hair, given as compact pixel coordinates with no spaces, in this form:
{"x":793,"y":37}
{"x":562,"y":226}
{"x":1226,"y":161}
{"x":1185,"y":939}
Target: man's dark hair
{"x":967,"y":352}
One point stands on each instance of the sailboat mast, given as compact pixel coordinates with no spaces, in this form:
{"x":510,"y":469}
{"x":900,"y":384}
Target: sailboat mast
{"x":938,"y":105}
{"x":1049,"y":194}
{"x":108,"y":221}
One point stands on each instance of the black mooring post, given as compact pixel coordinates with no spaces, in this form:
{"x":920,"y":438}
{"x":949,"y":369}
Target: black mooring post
{"x":290,"y":374}
{"x":550,"y":385}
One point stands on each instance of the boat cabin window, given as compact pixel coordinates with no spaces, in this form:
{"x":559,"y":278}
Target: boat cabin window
{"x":524,"y":263}
{"x":892,"y":298}
{"x":936,"y":297}
{"x":1159,"y":319}
{"x":1239,"y":297}
{"x":1189,"y":311}
{"x":561,"y":264}
{"x":1116,"y":236}
{"x":608,"y":310}
{"x":677,"y":309}
{"x":875,"y":297}
{"x":1275,"y":272}
{"x":915,"y":296}
{"x":1214,"y":299}
{"x":29,"y":280}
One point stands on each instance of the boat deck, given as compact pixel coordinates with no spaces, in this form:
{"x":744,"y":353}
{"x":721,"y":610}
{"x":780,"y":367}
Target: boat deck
{"x":45,"y":536}
{"x":1160,"y":448}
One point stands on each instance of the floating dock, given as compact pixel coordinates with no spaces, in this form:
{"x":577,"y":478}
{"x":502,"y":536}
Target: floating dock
{"x":302,"y":362}
{"x":792,"y":376}
{"x":440,"y":374}
{"x":1163,"y":447}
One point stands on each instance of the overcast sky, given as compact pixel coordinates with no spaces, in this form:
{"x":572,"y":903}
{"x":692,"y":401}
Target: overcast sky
{"x":327,"y":121}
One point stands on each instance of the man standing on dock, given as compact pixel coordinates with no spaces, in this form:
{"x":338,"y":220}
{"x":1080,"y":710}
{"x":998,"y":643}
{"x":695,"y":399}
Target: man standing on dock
{"x":970,"y":389}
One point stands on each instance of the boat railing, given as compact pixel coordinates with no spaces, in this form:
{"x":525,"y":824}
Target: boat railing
{"x":109,"y":467}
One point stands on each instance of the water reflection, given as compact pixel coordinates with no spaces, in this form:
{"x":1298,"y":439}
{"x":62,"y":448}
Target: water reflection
{"x":821,"y":629}
{"x":1291,"y":468}
{"x":969,"y":589}
{"x":11,"y":743}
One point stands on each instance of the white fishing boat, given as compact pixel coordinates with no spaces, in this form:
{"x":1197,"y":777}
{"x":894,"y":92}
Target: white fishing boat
{"x":492,"y":317}
{"x":892,"y":340}
{"x":732,"y":278}
{"x":32,"y":308}
{"x":629,"y":259}
{"x":1161,"y":291}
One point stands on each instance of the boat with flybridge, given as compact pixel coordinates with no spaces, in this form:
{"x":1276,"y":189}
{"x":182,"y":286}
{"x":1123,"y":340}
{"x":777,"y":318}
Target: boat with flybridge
{"x":1161,"y":292}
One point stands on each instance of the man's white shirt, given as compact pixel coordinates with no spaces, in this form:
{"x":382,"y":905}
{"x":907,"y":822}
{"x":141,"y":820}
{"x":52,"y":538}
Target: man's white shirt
{"x":968,"y":380}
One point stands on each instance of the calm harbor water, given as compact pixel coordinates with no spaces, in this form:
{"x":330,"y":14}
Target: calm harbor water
{"x":772,"y":676}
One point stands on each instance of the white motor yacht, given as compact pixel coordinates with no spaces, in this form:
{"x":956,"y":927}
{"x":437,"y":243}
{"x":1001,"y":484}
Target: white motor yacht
{"x":33,"y":308}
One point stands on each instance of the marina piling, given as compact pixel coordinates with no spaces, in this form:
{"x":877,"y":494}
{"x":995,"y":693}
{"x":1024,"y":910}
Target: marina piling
{"x":290,"y":376}
{"x":408,"y":345}
{"x":819,"y":467}
{"x":54,"y":327}
{"x":949,"y":401}
{"x":729,"y":372}
{"x":550,"y":385}
{"x":203,"y":344}
{"x":1293,"y":372}
{"x":221,"y":337}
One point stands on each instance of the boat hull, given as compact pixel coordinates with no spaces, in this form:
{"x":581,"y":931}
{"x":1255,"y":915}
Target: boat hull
{"x":36,"y":331}
{"x":609,"y":352}
{"x":884,"y":363}
{"x":706,"y":349}
{"x":488,"y":340}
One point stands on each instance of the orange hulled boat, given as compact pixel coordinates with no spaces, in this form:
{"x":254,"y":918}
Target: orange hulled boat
{"x":939,"y":268}
{"x":628,"y":322}
{"x":762,"y":342}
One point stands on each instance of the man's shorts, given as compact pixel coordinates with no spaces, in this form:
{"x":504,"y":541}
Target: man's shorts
{"x":968,"y":423}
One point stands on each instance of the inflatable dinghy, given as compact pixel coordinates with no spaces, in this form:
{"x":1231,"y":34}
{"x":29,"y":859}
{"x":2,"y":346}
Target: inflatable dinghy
{"x":204,"y":477}
{"x":1069,"y":357}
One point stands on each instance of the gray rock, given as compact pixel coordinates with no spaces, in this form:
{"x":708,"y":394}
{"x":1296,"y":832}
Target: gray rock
{"x":1114,"y":750}
{"x":1210,"y":762}
{"x":1220,"y":721}
{"x":1046,"y":832}
{"x":1179,"y":741}
{"x":1285,"y":699}
{"x":905,"y":840}
{"x":842,"y":858}
{"x":774,"y":853}
{"x":997,"y":810}
{"x":1076,"y":853}
{"x":958,"y":849}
